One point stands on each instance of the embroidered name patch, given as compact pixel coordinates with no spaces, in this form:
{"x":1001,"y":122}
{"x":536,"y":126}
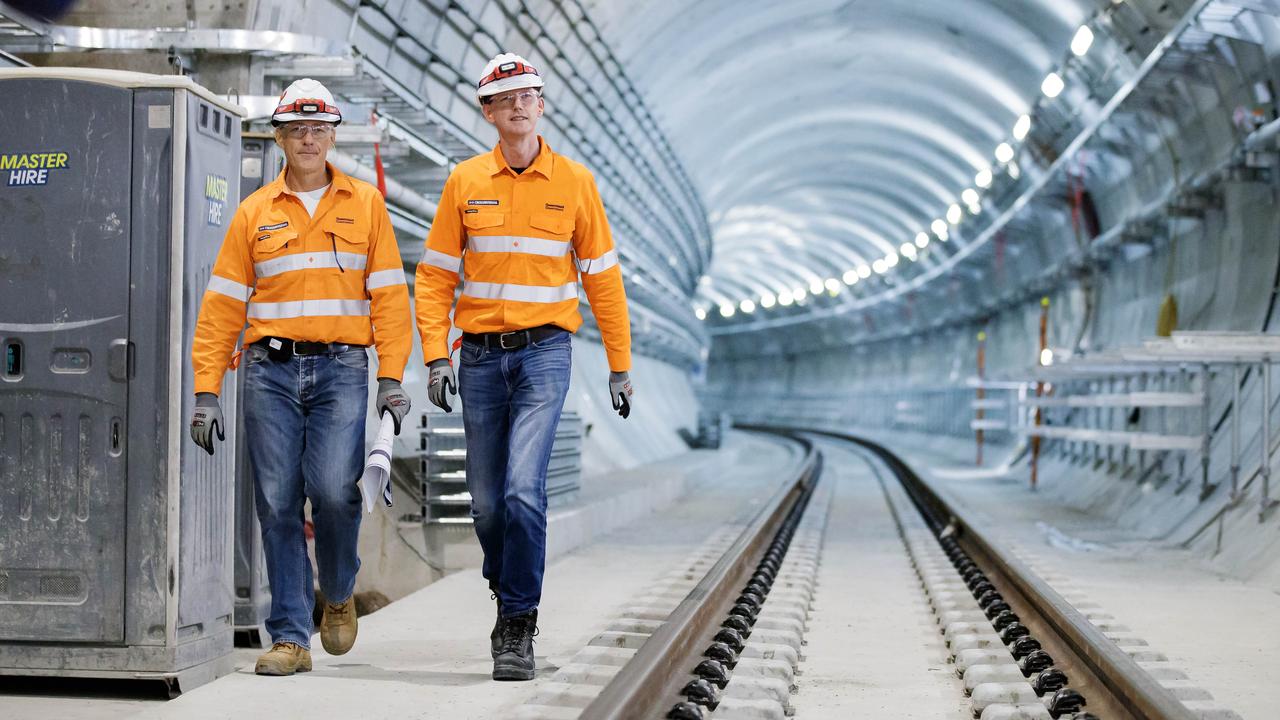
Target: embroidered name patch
{"x":482,"y":202}
{"x":472,"y":210}
{"x":277,"y":226}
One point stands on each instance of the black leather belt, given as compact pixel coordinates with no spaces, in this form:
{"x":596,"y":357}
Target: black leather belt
{"x":513,"y":340}
{"x":282,"y":348}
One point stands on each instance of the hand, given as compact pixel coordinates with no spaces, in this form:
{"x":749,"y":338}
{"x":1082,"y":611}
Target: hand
{"x":620,"y":392}
{"x":391,"y":399}
{"x":206,"y":420}
{"x":441,"y":379}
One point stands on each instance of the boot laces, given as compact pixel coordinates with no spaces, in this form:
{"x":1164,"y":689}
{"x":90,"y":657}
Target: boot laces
{"x":517,"y":631}
{"x":338,"y":609}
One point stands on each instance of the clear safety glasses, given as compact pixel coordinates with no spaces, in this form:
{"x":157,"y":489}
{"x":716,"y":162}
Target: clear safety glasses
{"x":301,"y":130}
{"x":509,"y":100}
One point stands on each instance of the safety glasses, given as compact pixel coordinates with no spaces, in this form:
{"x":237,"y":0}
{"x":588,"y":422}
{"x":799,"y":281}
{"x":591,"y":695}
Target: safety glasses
{"x":509,"y":100}
{"x":301,"y":130}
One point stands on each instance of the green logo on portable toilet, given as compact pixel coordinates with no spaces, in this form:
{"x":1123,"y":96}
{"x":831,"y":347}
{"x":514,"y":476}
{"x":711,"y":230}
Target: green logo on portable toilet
{"x":215,"y":195}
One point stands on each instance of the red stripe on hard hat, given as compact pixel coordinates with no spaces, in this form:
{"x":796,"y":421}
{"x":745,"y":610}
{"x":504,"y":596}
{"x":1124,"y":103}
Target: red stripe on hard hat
{"x":308,"y":105}
{"x":512,"y":70}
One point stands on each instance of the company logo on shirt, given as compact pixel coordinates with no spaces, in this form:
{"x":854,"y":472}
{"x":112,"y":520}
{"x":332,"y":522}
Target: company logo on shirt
{"x":277,"y":226}
{"x":482,"y":202}
{"x":553,"y":206}
{"x":345,"y":221}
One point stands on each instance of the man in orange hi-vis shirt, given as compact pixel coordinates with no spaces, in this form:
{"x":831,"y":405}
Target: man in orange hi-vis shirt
{"x":529,"y":224}
{"x":311,"y":262}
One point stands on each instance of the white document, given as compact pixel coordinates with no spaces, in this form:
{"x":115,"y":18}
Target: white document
{"x":376,"y":480}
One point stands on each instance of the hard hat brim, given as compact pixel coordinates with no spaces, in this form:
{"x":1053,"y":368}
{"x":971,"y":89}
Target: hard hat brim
{"x":283,"y":118}
{"x":518,"y":82}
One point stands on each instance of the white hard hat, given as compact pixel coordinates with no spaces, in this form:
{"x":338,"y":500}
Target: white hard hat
{"x":306,"y":99}
{"x":507,"y":71}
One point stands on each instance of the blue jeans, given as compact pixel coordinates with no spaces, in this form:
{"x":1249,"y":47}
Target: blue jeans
{"x":304,"y":422}
{"x":511,"y":403}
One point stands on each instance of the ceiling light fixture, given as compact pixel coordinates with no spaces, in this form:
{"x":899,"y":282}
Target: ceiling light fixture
{"x":1022,"y":127}
{"x":1052,"y":86}
{"x":1083,"y":40}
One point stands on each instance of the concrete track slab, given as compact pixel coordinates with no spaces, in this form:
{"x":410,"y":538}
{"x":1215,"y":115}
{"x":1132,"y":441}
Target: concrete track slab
{"x":873,"y":646}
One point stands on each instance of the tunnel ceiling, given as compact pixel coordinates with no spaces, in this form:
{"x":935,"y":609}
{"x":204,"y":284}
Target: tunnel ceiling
{"x":825,"y":135}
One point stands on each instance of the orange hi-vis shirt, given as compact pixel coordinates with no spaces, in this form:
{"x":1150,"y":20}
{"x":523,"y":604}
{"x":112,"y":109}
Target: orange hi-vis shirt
{"x":332,"y":277}
{"x":526,"y":239}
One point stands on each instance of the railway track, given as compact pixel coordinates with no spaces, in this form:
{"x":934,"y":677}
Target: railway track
{"x":1024,"y":652}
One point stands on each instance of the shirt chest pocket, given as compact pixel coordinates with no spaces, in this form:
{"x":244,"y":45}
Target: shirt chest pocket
{"x":267,"y":245}
{"x":482,"y":221}
{"x":557,"y":225}
{"x":348,"y":237}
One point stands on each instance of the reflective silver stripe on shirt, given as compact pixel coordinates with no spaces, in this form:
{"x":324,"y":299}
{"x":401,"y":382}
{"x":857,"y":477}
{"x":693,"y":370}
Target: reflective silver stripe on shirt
{"x":435,"y":258}
{"x":308,"y":261}
{"x":308,"y":308}
{"x":520,"y":293}
{"x":230,"y":288}
{"x":384,"y":278}
{"x":517,"y":244}
{"x":598,"y":265}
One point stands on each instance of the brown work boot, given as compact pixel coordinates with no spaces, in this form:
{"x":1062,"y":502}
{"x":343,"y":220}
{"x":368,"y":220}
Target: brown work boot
{"x":338,"y":628}
{"x":284,"y":658}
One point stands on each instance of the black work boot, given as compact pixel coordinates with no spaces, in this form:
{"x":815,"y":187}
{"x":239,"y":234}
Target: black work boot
{"x":515,"y":661}
{"x":495,"y":637}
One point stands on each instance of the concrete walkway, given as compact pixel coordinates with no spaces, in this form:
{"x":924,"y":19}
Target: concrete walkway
{"x":427,"y":656}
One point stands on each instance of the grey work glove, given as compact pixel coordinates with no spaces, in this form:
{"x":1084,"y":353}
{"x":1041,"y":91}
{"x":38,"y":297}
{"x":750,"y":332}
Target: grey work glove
{"x":441,"y":379}
{"x":206,"y":420}
{"x":391,"y":399}
{"x":620,"y":393}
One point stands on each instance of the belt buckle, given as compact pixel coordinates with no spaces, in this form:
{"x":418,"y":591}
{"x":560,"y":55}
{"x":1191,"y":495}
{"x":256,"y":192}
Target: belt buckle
{"x":502,"y":340}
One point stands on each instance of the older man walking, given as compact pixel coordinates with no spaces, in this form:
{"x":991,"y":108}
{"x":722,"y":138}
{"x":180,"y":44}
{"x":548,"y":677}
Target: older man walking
{"x":311,"y":261}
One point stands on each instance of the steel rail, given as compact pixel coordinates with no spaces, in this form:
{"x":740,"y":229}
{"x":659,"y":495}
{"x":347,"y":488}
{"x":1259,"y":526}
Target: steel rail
{"x":1132,"y":691}
{"x":649,"y":683}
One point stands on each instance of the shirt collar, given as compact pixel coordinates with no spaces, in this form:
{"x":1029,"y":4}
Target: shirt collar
{"x":543,"y":163}
{"x":340,"y":181}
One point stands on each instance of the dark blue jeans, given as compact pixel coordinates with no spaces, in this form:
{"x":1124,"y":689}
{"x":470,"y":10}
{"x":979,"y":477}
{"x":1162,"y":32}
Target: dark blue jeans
{"x":511,"y":403}
{"x":304,"y":421}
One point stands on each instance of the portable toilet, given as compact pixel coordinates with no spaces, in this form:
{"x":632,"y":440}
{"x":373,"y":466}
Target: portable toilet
{"x":116,"y":190}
